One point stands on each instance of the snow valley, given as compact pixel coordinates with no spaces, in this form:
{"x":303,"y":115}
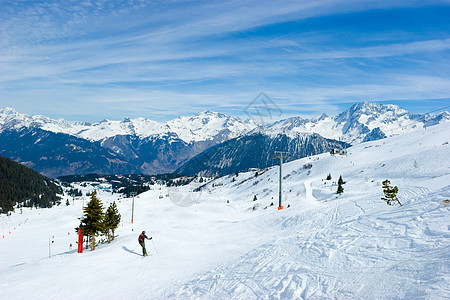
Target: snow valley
{"x":230,"y":241}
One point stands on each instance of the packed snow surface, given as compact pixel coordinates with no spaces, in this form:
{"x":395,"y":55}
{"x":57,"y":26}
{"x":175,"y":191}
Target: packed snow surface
{"x":220,"y":244}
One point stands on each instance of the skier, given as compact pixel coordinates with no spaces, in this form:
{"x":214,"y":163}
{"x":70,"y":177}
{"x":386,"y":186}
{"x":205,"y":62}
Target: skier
{"x":141,"y":240}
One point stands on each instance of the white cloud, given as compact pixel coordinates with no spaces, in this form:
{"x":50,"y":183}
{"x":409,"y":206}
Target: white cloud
{"x":158,"y":56}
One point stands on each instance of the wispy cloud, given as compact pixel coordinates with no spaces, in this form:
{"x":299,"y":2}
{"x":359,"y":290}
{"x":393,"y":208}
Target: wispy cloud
{"x":174,"y":57}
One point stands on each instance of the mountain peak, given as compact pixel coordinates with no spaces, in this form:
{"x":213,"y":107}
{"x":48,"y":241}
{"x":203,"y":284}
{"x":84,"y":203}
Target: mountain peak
{"x":320,"y":118}
{"x":370,"y":111}
{"x":373,"y":108}
{"x":8,"y":111}
{"x":210,"y":114}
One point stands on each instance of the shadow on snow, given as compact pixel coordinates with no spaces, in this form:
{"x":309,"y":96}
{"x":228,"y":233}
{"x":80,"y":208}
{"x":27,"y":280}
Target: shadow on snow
{"x":130,"y":251}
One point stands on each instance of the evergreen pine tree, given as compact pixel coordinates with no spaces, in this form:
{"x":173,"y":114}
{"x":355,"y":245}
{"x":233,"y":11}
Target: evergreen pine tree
{"x":112,"y":220}
{"x":390,"y":193}
{"x":92,"y":222}
{"x":340,"y":189}
{"x":329,"y":176}
{"x":255,"y":198}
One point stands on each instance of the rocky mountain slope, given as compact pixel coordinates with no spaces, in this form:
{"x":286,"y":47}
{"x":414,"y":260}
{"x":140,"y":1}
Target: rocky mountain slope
{"x":256,"y":150}
{"x":59,"y":147}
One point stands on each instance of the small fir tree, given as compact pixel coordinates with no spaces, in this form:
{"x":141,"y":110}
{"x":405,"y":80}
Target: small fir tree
{"x":340,"y":188}
{"x":112,"y":220}
{"x":329,"y":176}
{"x":390,"y":193}
{"x":255,"y":198}
{"x":92,"y":222}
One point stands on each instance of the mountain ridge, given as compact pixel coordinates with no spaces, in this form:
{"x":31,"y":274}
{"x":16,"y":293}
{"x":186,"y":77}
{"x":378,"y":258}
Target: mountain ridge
{"x":256,"y":150}
{"x":145,"y":146}
{"x":353,"y":124}
{"x":350,"y":125}
{"x":204,"y":125}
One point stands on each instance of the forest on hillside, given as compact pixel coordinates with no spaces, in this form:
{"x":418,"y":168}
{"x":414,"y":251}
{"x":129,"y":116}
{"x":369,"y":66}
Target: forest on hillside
{"x":28,"y":188}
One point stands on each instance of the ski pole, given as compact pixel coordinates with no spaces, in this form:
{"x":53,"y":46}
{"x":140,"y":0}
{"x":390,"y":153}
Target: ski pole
{"x":155,"y":246}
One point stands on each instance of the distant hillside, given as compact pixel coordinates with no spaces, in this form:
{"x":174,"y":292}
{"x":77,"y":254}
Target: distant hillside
{"x":56,"y":154}
{"x":19,"y":184}
{"x":256,"y":151}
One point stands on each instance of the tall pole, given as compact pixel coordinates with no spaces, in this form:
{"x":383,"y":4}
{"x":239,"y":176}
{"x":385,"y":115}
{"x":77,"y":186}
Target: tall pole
{"x":132,"y":211}
{"x":280,"y":155}
{"x":281,"y":182}
{"x":132,"y":206}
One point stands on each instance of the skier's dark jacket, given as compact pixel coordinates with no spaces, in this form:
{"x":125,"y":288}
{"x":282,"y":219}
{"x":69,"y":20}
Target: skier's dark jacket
{"x":142,"y":237}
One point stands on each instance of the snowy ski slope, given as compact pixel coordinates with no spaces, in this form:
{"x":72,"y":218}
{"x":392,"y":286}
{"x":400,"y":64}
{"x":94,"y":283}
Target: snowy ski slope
{"x":220,"y":244}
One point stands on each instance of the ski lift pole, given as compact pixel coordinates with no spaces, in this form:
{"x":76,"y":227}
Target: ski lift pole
{"x":281,"y":182}
{"x":280,"y":155}
{"x":132,"y":206}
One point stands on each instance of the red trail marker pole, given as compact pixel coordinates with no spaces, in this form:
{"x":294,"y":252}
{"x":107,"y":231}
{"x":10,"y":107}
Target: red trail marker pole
{"x":80,"y":240}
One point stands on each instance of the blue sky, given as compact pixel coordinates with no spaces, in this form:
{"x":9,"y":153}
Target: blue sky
{"x":91,"y":60}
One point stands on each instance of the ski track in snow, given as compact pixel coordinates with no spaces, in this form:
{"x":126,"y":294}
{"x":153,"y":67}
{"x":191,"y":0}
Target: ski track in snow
{"x":325,"y":246}
{"x":309,"y":193}
{"x":311,"y":266}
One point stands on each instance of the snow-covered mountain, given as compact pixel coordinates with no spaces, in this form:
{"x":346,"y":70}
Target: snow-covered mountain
{"x":220,"y":244}
{"x":58,"y":147}
{"x":351,"y":126}
{"x":355,"y":123}
{"x":363,"y":122}
{"x":203,"y":126}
